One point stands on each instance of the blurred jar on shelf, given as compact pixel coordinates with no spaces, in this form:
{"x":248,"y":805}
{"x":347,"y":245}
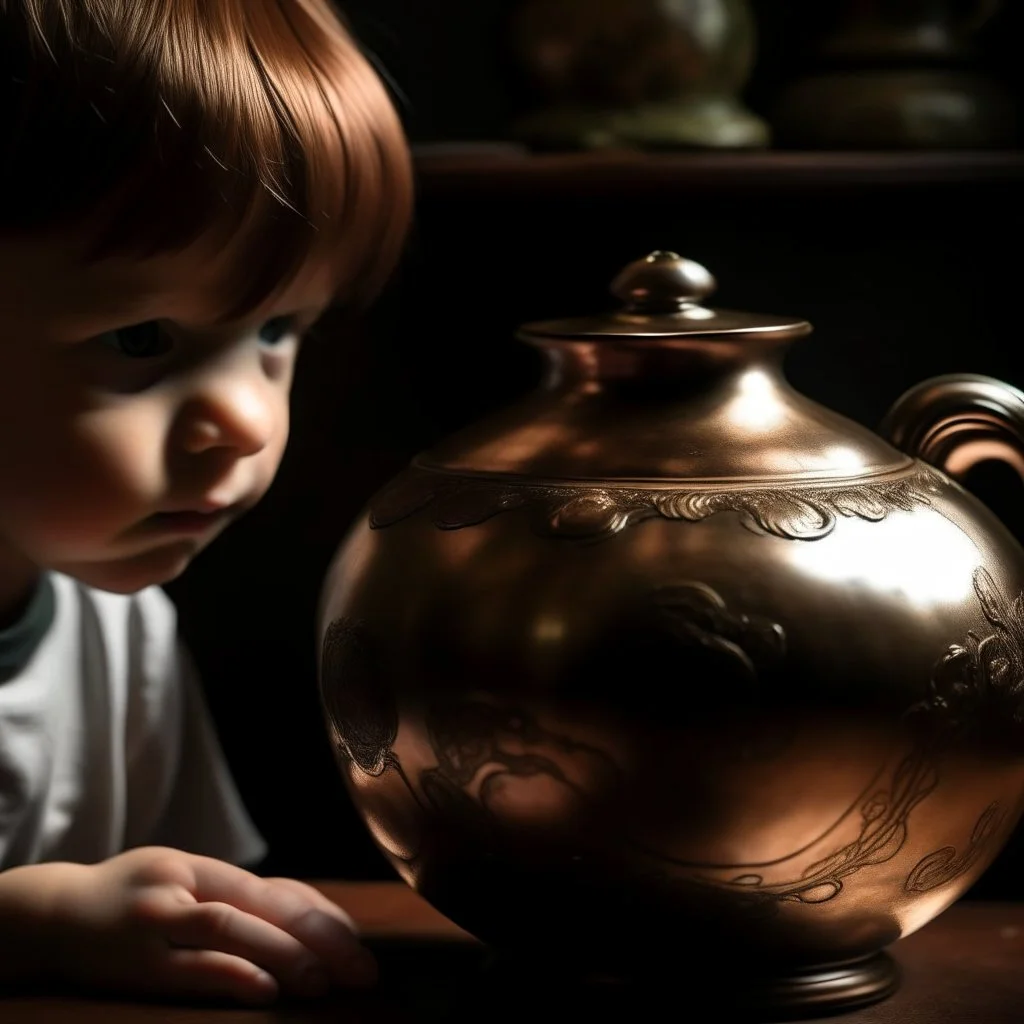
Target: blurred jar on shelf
{"x":898,"y":74}
{"x":650,"y":74}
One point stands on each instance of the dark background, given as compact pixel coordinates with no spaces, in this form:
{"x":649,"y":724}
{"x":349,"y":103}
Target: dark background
{"x":901,"y":282}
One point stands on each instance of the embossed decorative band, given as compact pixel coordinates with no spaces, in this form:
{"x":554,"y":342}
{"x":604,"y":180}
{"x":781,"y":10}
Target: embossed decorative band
{"x":807,"y":511}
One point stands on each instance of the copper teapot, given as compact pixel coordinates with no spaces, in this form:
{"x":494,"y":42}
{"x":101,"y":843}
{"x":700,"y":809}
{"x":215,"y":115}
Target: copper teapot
{"x":667,"y":669}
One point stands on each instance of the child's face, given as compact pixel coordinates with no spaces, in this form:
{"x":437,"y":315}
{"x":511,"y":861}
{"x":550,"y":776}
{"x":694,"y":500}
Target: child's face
{"x":124,"y":452}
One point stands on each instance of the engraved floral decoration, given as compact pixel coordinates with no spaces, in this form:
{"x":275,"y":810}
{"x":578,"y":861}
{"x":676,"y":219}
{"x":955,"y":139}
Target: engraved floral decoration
{"x":361,"y":714}
{"x":696,"y":614}
{"x":519,"y":770}
{"x":981,"y":680}
{"x":944,"y":865}
{"x":884,"y":812}
{"x":363,"y":723}
{"x":805,"y":511}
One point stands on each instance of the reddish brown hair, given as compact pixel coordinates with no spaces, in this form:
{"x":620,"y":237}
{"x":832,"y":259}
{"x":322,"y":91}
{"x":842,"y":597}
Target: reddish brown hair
{"x":161,"y":121}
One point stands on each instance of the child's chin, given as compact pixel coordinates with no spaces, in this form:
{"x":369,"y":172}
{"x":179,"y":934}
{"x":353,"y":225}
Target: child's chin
{"x":130,"y":575}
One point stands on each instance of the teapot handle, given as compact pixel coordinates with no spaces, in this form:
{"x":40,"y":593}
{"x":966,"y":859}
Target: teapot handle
{"x":957,"y":421}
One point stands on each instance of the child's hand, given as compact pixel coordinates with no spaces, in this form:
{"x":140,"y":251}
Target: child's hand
{"x":157,"y":921}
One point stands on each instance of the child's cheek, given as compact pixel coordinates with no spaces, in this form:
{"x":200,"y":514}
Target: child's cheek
{"x":97,"y":474}
{"x":122,"y":452}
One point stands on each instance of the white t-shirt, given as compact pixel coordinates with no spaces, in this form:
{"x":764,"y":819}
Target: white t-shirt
{"x":106,"y":742}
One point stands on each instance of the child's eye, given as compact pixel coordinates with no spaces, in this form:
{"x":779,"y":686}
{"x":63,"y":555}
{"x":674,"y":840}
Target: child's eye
{"x":140,"y":341}
{"x":276,"y":329}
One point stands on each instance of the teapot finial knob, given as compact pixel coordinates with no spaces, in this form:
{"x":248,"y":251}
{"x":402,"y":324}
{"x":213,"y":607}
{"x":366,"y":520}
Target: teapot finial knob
{"x":663,"y":282}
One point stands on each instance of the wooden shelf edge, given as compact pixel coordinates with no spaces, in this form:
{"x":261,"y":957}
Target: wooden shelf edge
{"x":504,"y":168}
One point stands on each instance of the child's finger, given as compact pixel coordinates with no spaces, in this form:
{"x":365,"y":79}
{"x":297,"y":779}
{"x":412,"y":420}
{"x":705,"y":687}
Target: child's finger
{"x":208,"y":973}
{"x":320,"y":929}
{"x":318,"y":899}
{"x":322,"y":937}
{"x":222,"y":928}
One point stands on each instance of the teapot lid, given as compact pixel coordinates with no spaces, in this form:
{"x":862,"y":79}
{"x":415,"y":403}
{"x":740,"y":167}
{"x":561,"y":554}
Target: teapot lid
{"x":667,"y":390}
{"x":661,"y":296}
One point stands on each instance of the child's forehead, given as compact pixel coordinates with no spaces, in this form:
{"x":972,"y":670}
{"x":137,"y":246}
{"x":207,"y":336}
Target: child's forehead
{"x":191,"y":285}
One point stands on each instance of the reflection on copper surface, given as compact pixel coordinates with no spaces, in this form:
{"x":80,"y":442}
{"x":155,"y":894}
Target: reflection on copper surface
{"x":969,"y":454}
{"x":923,"y":559}
{"x":697,"y":313}
{"x":845,"y":458}
{"x":755,"y":405}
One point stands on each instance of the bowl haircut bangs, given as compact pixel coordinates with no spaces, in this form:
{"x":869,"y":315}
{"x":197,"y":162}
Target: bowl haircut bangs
{"x":156,"y":124}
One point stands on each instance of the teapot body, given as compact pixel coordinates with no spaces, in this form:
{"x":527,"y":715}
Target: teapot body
{"x":806,"y":745}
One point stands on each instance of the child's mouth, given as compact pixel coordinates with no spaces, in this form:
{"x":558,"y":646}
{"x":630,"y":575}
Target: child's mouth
{"x":188,"y":523}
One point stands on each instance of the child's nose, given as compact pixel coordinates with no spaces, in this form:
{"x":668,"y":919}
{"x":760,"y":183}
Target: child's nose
{"x":238,"y":415}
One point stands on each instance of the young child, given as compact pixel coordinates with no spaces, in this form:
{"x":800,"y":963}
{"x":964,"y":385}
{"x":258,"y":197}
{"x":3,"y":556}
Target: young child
{"x":187,"y":184}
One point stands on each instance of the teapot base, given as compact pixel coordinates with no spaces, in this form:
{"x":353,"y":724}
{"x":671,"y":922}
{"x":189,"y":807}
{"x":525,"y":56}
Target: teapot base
{"x":816,"y":991}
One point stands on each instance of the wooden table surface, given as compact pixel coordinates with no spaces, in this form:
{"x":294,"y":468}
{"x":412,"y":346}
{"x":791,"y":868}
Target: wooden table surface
{"x":966,"y":967}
